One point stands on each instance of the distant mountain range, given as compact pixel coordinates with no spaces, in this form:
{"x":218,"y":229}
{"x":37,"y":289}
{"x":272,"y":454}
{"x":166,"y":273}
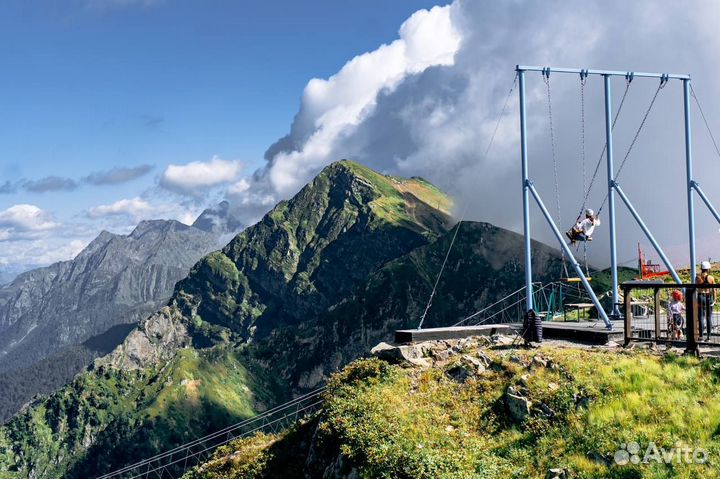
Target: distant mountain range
{"x":9,"y":272}
{"x":313,"y":285}
{"x":55,"y":320}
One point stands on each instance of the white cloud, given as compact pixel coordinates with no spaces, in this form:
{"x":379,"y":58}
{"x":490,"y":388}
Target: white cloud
{"x":137,"y":209}
{"x":32,"y":253}
{"x":427,"y":103}
{"x":239,"y":187}
{"x":25,"y":221}
{"x":195,"y":178}
{"x":331,"y":108}
{"x":134,"y":208}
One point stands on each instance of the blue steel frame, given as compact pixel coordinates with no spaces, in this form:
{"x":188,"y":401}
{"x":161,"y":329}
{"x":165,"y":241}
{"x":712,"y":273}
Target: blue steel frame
{"x":692,"y":184}
{"x":612,"y":185}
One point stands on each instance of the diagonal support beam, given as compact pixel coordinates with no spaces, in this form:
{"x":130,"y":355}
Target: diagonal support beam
{"x":695,"y":186}
{"x":647,"y":232}
{"x":573,"y":261}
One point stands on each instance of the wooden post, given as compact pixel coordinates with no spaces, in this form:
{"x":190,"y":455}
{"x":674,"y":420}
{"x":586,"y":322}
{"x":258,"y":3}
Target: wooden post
{"x":656,"y":294}
{"x":691,"y":311}
{"x":627,"y":292}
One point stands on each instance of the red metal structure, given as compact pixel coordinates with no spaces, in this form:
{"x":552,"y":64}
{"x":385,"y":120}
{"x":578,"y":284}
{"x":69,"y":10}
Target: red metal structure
{"x":648,"y":269}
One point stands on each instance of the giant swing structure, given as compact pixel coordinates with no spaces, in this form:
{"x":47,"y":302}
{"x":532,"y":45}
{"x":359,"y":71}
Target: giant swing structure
{"x":613,"y":187}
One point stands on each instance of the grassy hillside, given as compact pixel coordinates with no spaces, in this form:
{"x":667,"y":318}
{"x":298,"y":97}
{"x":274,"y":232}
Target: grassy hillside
{"x":109,"y":416}
{"x":390,"y":421}
{"x":189,"y":369}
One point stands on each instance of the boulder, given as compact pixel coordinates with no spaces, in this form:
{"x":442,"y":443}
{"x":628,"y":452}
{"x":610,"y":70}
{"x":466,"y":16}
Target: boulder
{"x":476,"y":363}
{"x":459,"y":372}
{"x":518,"y":406}
{"x":407,"y":353}
{"x":556,"y":473}
{"x":484,"y":358}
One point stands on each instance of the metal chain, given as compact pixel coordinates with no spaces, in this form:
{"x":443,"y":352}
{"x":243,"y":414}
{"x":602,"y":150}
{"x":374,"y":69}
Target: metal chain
{"x":546,"y":79}
{"x":552,"y":147}
{"x":662,"y":84}
{"x":602,"y":153}
{"x":582,"y":134}
{"x":707,"y":125}
{"x":583,"y":80}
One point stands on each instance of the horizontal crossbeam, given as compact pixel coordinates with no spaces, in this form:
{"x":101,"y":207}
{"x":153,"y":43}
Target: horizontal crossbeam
{"x":668,"y":76}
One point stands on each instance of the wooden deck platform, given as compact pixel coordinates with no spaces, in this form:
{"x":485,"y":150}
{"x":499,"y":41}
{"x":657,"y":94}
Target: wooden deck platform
{"x":456,"y":332}
{"x":586,"y":331}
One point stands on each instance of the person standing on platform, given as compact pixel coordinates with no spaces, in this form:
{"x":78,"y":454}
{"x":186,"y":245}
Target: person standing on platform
{"x":706,"y":299}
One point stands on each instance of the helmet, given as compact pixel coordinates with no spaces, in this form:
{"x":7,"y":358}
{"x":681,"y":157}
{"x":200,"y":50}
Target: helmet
{"x":705,"y":265}
{"x":589,"y":212}
{"x":677,"y":295}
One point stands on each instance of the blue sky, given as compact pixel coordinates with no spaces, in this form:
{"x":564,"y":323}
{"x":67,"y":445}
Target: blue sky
{"x":123,"y":110}
{"x":93,"y":85}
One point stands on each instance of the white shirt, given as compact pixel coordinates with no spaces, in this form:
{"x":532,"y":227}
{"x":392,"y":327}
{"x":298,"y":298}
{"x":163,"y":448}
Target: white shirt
{"x":587,"y":226}
{"x":677,"y":307}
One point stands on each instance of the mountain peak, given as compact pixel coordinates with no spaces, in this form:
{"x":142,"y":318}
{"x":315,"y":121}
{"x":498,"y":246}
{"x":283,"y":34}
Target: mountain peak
{"x":218,"y":220}
{"x":147,"y":226}
{"x":413,"y":202}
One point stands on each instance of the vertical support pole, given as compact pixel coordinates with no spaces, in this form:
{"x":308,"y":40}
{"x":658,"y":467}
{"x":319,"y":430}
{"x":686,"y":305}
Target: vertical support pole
{"x":690,"y":180}
{"x":656,"y":306}
{"x":614,"y":313}
{"x":526,"y":193}
{"x":691,"y":311}
{"x":628,"y":314}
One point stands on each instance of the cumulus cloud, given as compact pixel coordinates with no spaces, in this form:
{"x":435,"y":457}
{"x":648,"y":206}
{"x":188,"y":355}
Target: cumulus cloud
{"x":239,"y":188}
{"x":331,"y":108}
{"x":194,"y":179}
{"x":134,"y":208}
{"x":117,"y":175}
{"x":25,"y":221}
{"x":427,"y":104}
{"x":123,"y":215}
{"x":50,"y":183}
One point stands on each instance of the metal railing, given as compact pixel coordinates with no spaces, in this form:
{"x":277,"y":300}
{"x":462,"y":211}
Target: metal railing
{"x":511,"y":309}
{"x":175,"y":462}
{"x":696,"y":324}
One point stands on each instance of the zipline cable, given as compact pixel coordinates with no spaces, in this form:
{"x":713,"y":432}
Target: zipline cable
{"x":462,"y":216}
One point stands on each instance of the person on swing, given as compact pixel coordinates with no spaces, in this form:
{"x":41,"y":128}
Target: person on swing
{"x":583,"y":229}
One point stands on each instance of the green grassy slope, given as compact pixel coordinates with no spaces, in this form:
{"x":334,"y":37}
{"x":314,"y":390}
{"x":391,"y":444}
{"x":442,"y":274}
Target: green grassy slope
{"x":387,"y":421}
{"x":130,"y":415}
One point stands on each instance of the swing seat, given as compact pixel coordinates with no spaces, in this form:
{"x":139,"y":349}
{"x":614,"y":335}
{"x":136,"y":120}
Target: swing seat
{"x":574,"y":279}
